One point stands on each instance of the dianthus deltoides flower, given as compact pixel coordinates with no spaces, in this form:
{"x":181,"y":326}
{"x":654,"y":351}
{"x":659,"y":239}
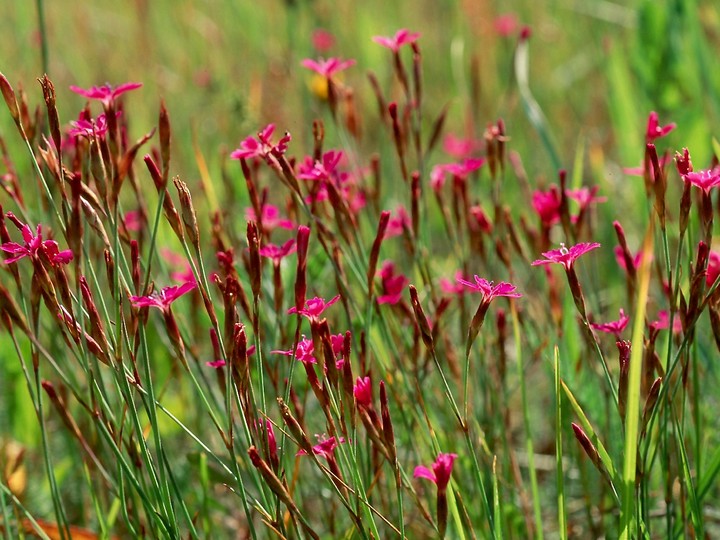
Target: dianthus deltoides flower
{"x":163,"y":298}
{"x":33,"y":245}
{"x":439,"y":473}
{"x":105,"y":93}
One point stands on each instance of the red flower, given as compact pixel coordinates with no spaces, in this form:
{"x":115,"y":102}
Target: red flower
{"x":613,"y":327}
{"x":713,"y":268}
{"x":401,"y":37}
{"x":327,"y":68}
{"x":33,"y":245}
{"x":261,"y":146}
{"x":325,"y":448}
{"x":314,"y":307}
{"x":105,"y":93}
{"x":566,"y":256}
{"x":363,"y":392}
{"x":490,"y":291}
{"x":393,"y":284}
{"x":440,"y":472}
{"x":164,"y":297}
{"x":547,"y":204}
{"x":654,"y":130}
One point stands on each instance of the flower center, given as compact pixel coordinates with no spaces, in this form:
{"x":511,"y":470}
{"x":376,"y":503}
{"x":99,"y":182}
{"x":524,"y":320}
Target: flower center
{"x":563,"y":249}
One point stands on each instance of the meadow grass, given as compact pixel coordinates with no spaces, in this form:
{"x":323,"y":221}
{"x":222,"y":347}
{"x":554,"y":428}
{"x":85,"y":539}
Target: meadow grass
{"x":414,"y":294}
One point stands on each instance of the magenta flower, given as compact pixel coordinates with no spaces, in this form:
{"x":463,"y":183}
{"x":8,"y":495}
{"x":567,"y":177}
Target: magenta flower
{"x":620,"y":258}
{"x":327,"y":68}
{"x":262,"y":146}
{"x":547,"y":205}
{"x":393,"y":284}
{"x":566,"y":256}
{"x":713,"y":268}
{"x":83,"y":127}
{"x":363,"y":392}
{"x":654,"y":130}
{"x":640,"y":171}
{"x":458,"y":170}
{"x":401,"y":37}
{"x":613,"y":327}
{"x":453,"y":286}
{"x":105,"y":93}
{"x":489,"y":290}
{"x":320,"y":170}
{"x":585,"y":196}
{"x":314,"y":307}
{"x":322,"y":40}
{"x":276,"y":253}
{"x":133,"y":221}
{"x":220,"y":362}
{"x":458,"y":147}
{"x":663,"y":322}
{"x":506,"y":24}
{"x":440,"y":472}
{"x":33,"y":245}
{"x":325,"y":448}
{"x":482,"y":222}
{"x":398,"y":223}
{"x":164,"y":297}
{"x":270,"y":218}
{"x":705,"y":180}
{"x":304,"y":352}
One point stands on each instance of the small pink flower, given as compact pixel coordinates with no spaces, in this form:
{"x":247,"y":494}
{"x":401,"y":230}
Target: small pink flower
{"x":489,"y":290}
{"x":640,"y":171}
{"x":654,"y":130}
{"x":565,"y":256}
{"x":393,"y":284}
{"x":506,"y":24}
{"x":663,"y":322}
{"x":613,"y":327}
{"x":440,"y":472}
{"x":585,"y":196}
{"x":705,"y":180}
{"x":220,"y":362}
{"x":398,"y":223}
{"x":33,"y":245}
{"x":401,"y":37}
{"x":482,"y":222}
{"x":620,"y":258}
{"x":460,"y":148}
{"x":262,"y":146}
{"x":105,"y":93}
{"x":83,"y":127}
{"x":270,"y":218}
{"x":164,"y":297}
{"x":458,"y":170}
{"x":454,"y":286}
{"x":363,"y":392}
{"x":327,"y":68}
{"x":133,"y":223}
{"x":320,"y":170}
{"x":547,"y":205}
{"x":304,"y":352}
{"x":314,"y":307}
{"x":713,"y":268}
{"x":322,"y":40}
{"x":186,"y":274}
{"x":325,"y":448}
{"x":277,"y":253}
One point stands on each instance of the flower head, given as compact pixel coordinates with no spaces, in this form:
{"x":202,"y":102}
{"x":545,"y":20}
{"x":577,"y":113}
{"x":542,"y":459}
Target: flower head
{"x":314,"y":307}
{"x":459,"y":170}
{"x":33,"y":245}
{"x":105,"y":93}
{"x":163,"y":298}
{"x":327,"y":68}
{"x":460,"y":148}
{"x":547,"y":205}
{"x":320,"y":170}
{"x":713,"y":268}
{"x":276,"y":253}
{"x":270,"y":218}
{"x":397,"y":223}
{"x":82,"y":127}
{"x":566,"y":256}
{"x":393,"y":284}
{"x":363,"y":392}
{"x":585,"y":196}
{"x":304,"y":352}
{"x":663,"y":322}
{"x":489,"y":290}
{"x":325,"y":448}
{"x":440,"y":472}
{"x":705,"y":180}
{"x":655,"y":130}
{"x":613,"y":327}
{"x":506,"y":24}
{"x":401,"y":37}
{"x":261,"y":146}
{"x":322,"y":40}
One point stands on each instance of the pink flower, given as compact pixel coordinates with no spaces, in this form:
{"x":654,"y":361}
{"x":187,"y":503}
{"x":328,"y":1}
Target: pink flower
{"x":663,"y":322}
{"x":585,"y":196}
{"x":133,"y":222}
{"x":320,"y":170}
{"x":440,"y":472}
{"x":397,"y":223}
{"x":164,"y":297}
{"x":453,"y":286}
{"x":325,"y":448}
{"x":393,"y":284}
{"x":482,"y":222}
{"x":705,"y":180}
{"x":458,"y":170}
{"x":262,"y":146}
{"x":105,"y":93}
{"x":314,"y":307}
{"x":547,"y":205}
{"x":363,"y":392}
{"x":713,"y":268}
{"x":83,"y":127}
{"x":489,"y":290}
{"x":401,"y":37}
{"x":460,"y":148}
{"x":640,"y":171}
{"x":654,"y":130}
{"x":322,"y":40}
{"x":613,"y":327}
{"x":304,"y":351}
{"x":566,"y":256}
{"x":270,"y":218}
{"x":220,"y":362}
{"x":276,"y":253}
{"x":327,"y":68}
{"x":620,"y":258}
{"x":33,"y":245}
{"x":506,"y":24}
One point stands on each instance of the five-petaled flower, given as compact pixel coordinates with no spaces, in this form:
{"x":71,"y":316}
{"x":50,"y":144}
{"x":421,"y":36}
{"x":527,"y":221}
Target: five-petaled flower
{"x":401,"y":37}
{"x":270,"y":218}
{"x":393,"y":284}
{"x":325,"y":448}
{"x":613,"y":327}
{"x":363,"y":392}
{"x":82,"y":127}
{"x":262,"y":146}
{"x":547,"y":204}
{"x":105,"y":93}
{"x":489,"y":290}
{"x":655,"y":130}
{"x":327,"y":68}
{"x":276,"y":253}
{"x":565,"y":256}
{"x":440,"y":472}
{"x":314,"y":307}
{"x":163,"y":298}
{"x":705,"y":180}
{"x":304,"y":352}
{"x":33,"y":245}
{"x":323,"y":170}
